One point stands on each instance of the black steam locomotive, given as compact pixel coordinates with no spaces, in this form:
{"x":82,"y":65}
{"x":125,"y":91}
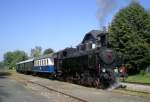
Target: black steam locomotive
{"x":91,"y":63}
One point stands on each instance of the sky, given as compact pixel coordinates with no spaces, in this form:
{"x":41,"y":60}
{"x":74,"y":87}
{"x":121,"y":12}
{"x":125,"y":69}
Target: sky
{"x":55,"y":24}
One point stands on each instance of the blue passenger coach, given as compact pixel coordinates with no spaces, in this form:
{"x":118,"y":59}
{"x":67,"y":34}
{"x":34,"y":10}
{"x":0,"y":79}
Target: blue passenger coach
{"x":44,"y":64}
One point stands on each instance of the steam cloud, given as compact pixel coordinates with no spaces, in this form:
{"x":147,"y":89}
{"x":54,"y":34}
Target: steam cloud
{"x":105,"y":7}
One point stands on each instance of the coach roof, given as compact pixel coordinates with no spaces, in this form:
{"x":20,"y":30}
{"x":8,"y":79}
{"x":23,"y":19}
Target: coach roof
{"x":29,"y":60}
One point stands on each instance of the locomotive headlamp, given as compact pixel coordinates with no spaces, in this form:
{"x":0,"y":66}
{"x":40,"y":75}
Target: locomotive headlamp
{"x":103,"y":70}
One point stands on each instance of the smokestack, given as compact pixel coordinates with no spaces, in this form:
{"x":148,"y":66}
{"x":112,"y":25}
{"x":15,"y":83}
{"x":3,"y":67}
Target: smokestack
{"x":104,"y":8}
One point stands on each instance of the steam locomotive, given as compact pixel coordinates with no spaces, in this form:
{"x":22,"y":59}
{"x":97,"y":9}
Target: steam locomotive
{"x":91,"y":63}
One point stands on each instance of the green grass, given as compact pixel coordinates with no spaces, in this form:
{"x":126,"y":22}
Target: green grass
{"x":139,"y":78}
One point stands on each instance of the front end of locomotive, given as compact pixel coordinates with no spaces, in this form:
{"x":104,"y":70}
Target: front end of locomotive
{"x":108,"y":61}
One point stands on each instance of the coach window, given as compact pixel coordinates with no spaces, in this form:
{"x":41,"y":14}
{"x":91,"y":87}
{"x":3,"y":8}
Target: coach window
{"x":47,"y":61}
{"x":44,"y":62}
{"x":39,"y":62}
{"x":35,"y":63}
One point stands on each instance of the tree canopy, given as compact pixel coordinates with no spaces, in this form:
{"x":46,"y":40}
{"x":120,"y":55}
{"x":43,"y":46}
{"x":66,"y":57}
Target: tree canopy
{"x":129,"y":35}
{"x":36,"y":52}
{"x":48,"y":51}
{"x":11,"y":58}
{"x":1,"y":65}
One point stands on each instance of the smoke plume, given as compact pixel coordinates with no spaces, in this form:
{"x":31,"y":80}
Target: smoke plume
{"x":104,"y":8}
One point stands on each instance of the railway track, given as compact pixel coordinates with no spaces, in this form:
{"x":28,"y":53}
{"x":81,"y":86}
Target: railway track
{"x":48,"y":90}
{"x":72,"y":98}
{"x":76,"y":98}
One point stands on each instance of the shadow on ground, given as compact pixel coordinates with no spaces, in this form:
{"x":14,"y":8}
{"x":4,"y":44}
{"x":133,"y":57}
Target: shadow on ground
{"x":4,"y":94}
{"x":4,"y":74}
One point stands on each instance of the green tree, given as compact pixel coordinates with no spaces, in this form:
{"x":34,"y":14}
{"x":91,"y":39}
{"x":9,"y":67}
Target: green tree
{"x":36,"y":52}
{"x":11,"y":58}
{"x":48,"y":51}
{"x":129,"y":35}
{"x":1,"y":65}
